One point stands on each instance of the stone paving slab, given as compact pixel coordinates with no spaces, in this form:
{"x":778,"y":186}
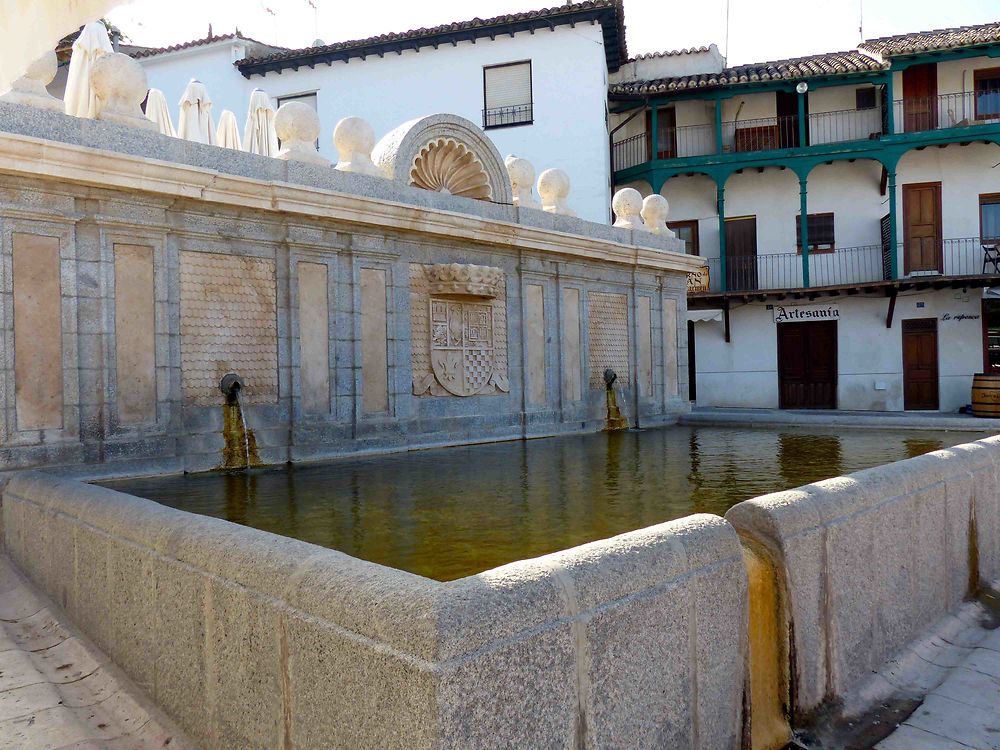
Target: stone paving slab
{"x":962,"y":712}
{"x":57,"y":691}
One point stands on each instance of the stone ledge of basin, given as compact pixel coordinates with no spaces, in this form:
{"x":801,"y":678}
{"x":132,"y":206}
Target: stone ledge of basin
{"x":387,"y":605}
{"x":499,"y":604}
{"x":208,"y":168}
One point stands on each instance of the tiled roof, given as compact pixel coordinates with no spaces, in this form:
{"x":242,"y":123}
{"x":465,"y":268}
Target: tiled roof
{"x":836,"y":63}
{"x":210,"y":39}
{"x":669,"y":53}
{"x":608,"y":13}
{"x":931,"y":41}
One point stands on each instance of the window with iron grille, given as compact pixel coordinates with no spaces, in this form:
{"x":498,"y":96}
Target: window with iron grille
{"x":820,"y":233}
{"x":507,"y":95}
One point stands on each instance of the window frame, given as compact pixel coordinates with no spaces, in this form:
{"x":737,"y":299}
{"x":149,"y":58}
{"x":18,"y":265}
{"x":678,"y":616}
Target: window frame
{"x":695,"y":248}
{"x":977,"y":76}
{"x":813,"y":248}
{"x":987,"y":199}
{"x":531,"y":97}
{"x":866,"y":90}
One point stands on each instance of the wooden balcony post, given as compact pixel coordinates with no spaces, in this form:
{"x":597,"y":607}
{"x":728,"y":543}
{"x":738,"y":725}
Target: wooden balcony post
{"x":804,"y":228}
{"x":893,"y":250}
{"x":720,"y":193}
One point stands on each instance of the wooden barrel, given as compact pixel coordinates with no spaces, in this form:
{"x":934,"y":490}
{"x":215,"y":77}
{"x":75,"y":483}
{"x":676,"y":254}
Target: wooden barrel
{"x":986,"y":395}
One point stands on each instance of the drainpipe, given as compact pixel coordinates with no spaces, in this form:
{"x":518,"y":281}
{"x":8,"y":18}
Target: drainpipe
{"x":802,"y":118}
{"x":804,"y":228}
{"x":890,"y":106}
{"x":720,"y":193}
{"x":654,"y":125}
{"x":718,"y":126}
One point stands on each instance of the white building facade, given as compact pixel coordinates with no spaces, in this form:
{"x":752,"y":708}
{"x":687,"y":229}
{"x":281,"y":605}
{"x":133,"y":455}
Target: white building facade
{"x":886,"y":302}
{"x":536,"y":81}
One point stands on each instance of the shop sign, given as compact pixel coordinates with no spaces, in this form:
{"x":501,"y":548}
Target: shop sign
{"x":698,"y":280}
{"x":804,"y":313}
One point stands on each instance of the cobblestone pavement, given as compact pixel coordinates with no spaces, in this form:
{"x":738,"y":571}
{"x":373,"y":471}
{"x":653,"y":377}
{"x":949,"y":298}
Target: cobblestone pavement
{"x":962,"y":712}
{"x":58,"y":692}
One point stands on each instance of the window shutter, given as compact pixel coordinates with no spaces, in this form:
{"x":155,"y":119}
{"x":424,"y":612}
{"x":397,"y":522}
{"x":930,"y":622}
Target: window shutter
{"x":508,"y":85}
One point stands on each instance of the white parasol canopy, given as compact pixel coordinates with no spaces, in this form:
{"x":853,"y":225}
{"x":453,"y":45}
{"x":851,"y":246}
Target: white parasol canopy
{"x":195,"y":123}
{"x":36,"y":26}
{"x":258,"y":135}
{"x":228,"y":133}
{"x":158,"y":112}
{"x":91,"y":44}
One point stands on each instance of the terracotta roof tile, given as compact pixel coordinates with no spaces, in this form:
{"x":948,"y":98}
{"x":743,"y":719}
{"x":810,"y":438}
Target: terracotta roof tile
{"x":141,"y":52}
{"x":930,"y":41}
{"x":607,"y":12}
{"x":835,"y":63}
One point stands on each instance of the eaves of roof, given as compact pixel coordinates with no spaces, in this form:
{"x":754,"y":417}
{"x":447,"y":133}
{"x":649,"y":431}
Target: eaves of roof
{"x":934,"y":41}
{"x":608,"y":13}
{"x":813,"y":66}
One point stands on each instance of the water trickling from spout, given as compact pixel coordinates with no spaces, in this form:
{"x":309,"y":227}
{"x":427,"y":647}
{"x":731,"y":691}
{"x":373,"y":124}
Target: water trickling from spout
{"x":246,"y":432}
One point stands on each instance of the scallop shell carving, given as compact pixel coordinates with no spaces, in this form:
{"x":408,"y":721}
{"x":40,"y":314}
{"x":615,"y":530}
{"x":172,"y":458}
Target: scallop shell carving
{"x":446,"y":166}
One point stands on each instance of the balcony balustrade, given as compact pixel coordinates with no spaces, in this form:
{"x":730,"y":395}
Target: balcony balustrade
{"x":917,"y":114}
{"x":846,"y":267}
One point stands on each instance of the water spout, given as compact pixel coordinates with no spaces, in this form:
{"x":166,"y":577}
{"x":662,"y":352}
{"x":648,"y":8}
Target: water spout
{"x":240,"y":451}
{"x":616,"y":422}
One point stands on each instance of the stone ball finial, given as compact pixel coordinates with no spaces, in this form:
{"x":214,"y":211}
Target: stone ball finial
{"x":654,"y":213}
{"x":30,"y":90}
{"x":627,"y":205}
{"x":44,"y":68}
{"x":355,"y":139}
{"x":297,"y":126}
{"x":119,"y":85}
{"x":522,"y":181}
{"x":553,"y":189}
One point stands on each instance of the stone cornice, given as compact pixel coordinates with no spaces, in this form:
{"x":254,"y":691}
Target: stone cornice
{"x":53,"y":160}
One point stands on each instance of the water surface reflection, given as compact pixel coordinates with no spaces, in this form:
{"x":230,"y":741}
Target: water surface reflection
{"x":453,"y":512}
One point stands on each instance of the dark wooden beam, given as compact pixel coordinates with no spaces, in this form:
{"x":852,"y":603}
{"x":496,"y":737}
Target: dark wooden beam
{"x":892,"y":309}
{"x":725,"y":315}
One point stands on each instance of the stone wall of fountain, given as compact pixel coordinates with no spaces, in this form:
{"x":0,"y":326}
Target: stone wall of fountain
{"x":361,"y":312}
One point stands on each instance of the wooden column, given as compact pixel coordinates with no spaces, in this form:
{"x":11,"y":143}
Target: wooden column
{"x":804,"y":229}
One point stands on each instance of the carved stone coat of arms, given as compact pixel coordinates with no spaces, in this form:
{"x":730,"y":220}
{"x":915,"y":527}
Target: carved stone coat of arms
{"x":459,"y":330}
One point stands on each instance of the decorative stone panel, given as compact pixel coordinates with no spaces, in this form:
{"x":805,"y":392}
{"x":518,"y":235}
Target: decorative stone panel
{"x":228,"y":324}
{"x":459,"y":340}
{"x":607,"y":327}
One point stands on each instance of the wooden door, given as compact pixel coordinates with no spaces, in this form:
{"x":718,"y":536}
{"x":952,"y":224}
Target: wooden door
{"x":741,"y":254}
{"x":807,"y":365}
{"x":920,"y":364}
{"x":920,"y":97}
{"x":787,"y":108}
{"x":666,"y":139}
{"x":922,"y":237}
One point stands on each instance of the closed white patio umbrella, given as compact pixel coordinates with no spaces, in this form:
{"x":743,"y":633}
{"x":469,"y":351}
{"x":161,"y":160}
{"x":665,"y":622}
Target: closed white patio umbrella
{"x":32,"y":27}
{"x":158,"y":112}
{"x":195,"y":122}
{"x":259,"y":136}
{"x":91,"y":44}
{"x":228,"y":133}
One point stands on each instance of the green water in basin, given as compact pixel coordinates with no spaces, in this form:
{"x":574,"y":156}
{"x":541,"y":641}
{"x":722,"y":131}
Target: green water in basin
{"x":452,"y":512}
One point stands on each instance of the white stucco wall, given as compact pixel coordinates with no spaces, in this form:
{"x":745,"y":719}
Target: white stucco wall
{"x":569,"y":81}
{"x":744,"y":373}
